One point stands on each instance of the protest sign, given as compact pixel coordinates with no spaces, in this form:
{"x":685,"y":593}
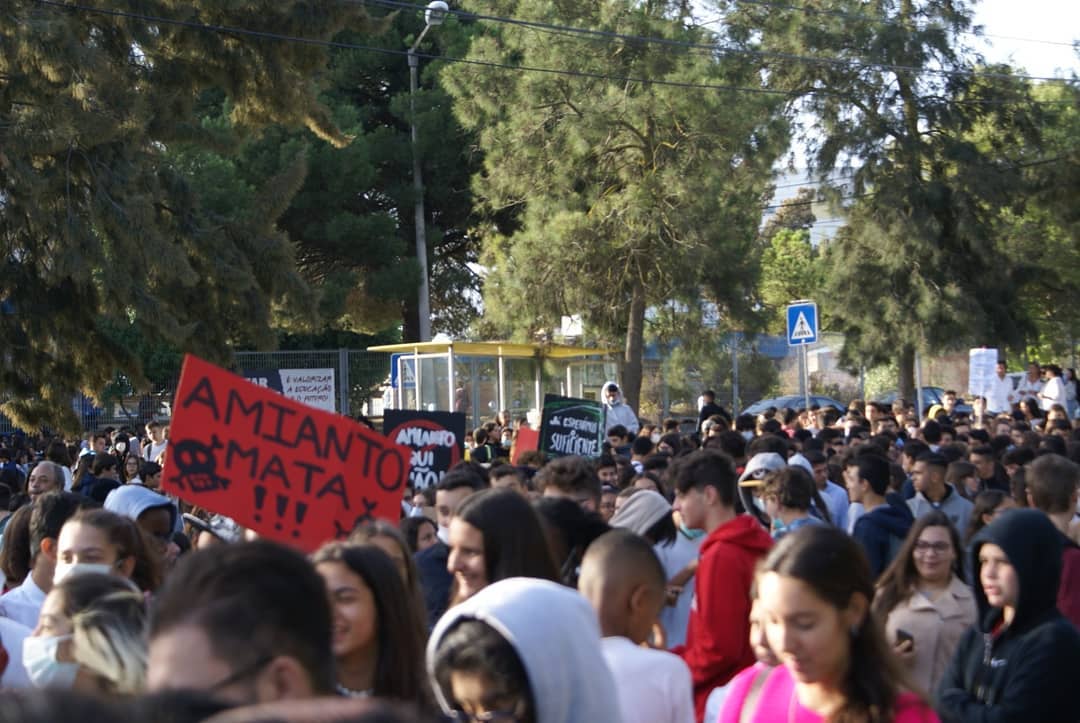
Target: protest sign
{"x":437,"y":440}
{"x":314,"y":387}
{"x":528,"y":440}
{"x":292,"y":473}
{"x":571,"y":427}
{"x":982,"y":368}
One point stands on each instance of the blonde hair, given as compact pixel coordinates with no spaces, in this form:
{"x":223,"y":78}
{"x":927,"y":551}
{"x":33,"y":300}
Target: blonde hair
{"x":108,"y":619}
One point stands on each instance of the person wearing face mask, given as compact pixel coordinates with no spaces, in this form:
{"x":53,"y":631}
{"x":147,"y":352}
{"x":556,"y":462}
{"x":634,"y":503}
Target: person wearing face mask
{"x":648,"y":514}
{"x":104,"y":542}
{"x":90,"y":637}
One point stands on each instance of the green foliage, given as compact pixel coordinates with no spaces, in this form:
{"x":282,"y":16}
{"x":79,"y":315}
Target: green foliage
{"x":613,"y":195}
{"x":917,"y":266}
{"x":101,"y":229}
{"x":791,"y":269}
{"x":1042,"y":236}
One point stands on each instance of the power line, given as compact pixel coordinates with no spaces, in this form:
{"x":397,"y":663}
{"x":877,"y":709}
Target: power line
{"x":268,"y":35}
{"x":713,"y":47}
{"x":863,"y":17}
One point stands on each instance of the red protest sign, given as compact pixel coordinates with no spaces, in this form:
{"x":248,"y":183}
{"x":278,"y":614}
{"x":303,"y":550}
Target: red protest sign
{"x":528,"y":440}
{"x":292,"y":473}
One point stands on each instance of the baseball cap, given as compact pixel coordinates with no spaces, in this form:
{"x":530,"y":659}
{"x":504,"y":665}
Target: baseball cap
{"x":759,"y":466}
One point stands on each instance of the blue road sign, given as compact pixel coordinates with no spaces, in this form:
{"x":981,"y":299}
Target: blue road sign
{"x":410,"y":371}
{"x":802,"y":323}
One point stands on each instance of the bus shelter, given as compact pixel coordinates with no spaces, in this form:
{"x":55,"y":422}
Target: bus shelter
{"x":483,"y":378}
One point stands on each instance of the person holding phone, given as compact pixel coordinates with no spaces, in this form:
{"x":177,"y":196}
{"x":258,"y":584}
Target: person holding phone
{"x":922,"y":599}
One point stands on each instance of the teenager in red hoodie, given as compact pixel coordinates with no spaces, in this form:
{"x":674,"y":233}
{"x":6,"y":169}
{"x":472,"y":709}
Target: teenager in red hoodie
{"x":1053,"y":482}
{"x":718,"y":635}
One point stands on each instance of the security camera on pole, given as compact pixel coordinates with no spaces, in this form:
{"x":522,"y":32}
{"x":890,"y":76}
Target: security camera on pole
{"x":802,"y":330}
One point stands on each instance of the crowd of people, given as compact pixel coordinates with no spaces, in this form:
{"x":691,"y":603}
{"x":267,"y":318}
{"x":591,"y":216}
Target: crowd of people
{"x":874,"y":564}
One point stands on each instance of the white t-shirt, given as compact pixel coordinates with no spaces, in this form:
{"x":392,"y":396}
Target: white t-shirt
{"x":674,"y":558}
{"x":1053,"y":393}
{"x":155,"y":450}
{"x":12,"y":635}
{"x":997,"y":394}
{"x":1028,"y":388}
{"x":653,"y":686}
{"x":23,"y":603}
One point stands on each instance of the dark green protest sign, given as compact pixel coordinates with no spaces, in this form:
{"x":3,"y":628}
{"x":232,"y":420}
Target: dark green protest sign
{"x":571,"y":427}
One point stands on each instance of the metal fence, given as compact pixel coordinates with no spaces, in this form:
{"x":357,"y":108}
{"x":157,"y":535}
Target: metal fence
{"x":359,"y":380}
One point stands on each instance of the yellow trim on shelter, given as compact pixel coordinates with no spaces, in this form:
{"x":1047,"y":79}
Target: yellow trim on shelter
{"x":504,"y":349}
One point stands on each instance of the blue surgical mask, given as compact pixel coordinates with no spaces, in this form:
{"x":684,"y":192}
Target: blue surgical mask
{"x":42,"y":667}
{"x":693,"y":534}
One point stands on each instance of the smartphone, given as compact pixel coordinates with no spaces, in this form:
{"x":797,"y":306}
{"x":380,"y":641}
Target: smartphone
{"x":902,"y":635}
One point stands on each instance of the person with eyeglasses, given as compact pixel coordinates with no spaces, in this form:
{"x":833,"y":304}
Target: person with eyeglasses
{"x":522,"y":650}
{"x":246,"y":623}
{"x":923,"y":601}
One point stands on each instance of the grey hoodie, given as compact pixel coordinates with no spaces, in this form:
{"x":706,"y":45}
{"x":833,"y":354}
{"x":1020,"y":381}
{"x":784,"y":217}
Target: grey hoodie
{"x":556,"y":635}
{"x":133,"y":500}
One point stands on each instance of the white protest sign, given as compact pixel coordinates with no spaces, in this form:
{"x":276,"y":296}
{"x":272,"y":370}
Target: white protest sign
{"x":314,"y":387}
{"x":982,"y":365}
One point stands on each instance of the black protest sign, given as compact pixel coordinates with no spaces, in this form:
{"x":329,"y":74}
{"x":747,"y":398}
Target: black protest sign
{"x":437,"y":440}
{"x":571,"y":427}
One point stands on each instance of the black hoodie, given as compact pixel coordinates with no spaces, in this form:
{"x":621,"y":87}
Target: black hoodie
{"x":1030,"y":670}
{"x":882,"y":530}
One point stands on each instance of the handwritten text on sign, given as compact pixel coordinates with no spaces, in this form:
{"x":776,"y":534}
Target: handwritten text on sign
{"x":437,"y":440}
{"x":290,"y":472}
{"x":571,"y":427}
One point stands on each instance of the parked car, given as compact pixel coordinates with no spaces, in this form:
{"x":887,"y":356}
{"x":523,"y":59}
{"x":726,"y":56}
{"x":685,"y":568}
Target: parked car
{"x":793,"y":401}
{"x":930,"y":397}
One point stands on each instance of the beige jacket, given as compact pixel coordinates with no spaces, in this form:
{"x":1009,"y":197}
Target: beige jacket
{"x":936,"y":627}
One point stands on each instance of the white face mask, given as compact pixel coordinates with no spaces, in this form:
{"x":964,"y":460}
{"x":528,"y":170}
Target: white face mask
{"x":747,"y":435}
{"x":655,"y":438}
{"x":42,"y":667}
{"x":443,"y":534}
{"x":69,"y":569}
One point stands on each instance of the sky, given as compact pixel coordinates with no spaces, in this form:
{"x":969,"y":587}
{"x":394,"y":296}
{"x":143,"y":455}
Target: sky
{"x":1014,"y":22}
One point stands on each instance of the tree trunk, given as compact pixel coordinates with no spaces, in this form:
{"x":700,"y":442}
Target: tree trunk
{"x":635,"y":334}
{"x":906,"y":381}
{"x":410,"y":326}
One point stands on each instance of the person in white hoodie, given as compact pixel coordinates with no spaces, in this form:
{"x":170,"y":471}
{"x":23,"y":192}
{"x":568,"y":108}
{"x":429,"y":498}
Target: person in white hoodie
{"x":525,"y":649}
{"x":618,"y":412}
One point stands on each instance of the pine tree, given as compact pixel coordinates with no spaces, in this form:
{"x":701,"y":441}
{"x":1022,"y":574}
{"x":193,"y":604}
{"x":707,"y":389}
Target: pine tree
{"x":615,"y":193}
{"x":894,"y":94}
{"x":100,"y":226}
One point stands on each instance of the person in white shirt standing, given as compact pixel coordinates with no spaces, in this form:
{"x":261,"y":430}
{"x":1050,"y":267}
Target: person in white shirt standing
{"x":623,"y":580}
{"x":999,"y":393}
{"x":23,"y":603}
{"x":157,"y":443}
{"x":1031,"y":385}
{"x":1053,"y":392}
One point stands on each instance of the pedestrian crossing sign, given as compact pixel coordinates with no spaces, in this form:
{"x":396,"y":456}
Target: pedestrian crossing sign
{"x":802,"y":323}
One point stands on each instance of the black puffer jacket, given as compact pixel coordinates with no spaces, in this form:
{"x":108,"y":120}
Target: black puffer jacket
{"x":1030,"y":670}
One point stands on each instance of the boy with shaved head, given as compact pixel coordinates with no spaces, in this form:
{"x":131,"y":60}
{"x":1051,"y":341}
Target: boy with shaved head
{"x":623,"y":580}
